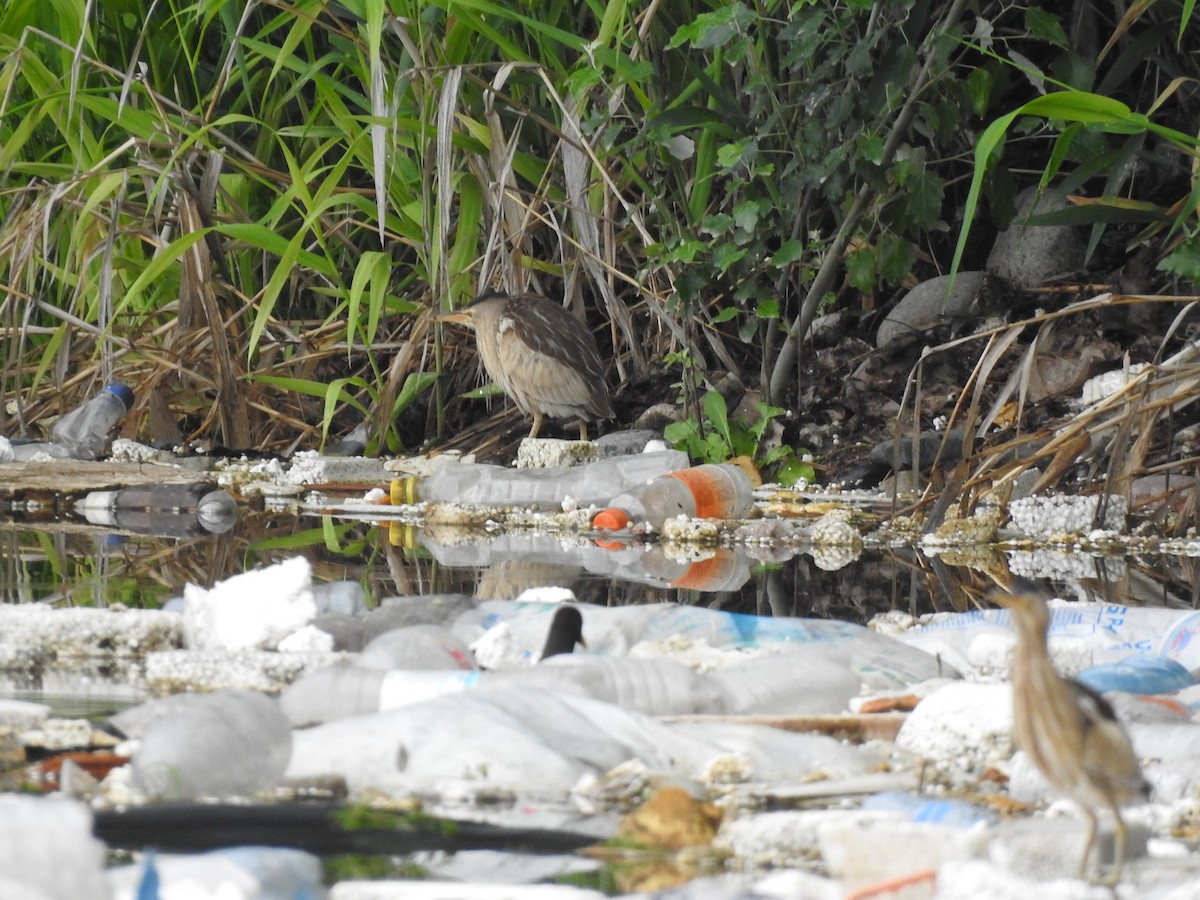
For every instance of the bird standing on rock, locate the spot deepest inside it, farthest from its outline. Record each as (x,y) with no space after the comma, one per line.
(1068,730)
(543,357)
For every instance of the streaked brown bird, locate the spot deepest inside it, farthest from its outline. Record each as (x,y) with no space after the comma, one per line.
(1069,730)
(543,357)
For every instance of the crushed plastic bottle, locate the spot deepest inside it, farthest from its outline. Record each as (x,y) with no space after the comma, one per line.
(83,431)
(417,647)
(223,744)
(658,687)
(712,491)
(586,485)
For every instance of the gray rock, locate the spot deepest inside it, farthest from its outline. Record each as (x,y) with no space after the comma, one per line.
(623,443)
(929,304)
(1028,255)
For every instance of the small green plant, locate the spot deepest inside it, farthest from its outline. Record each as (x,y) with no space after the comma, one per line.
(719,438)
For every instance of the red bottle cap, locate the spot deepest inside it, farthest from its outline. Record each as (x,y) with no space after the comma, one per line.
(611,519)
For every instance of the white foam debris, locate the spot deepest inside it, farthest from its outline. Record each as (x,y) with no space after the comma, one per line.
(22,713)
(125,450)
(309,639)
(546,594)
(255,609)
(834,529)
(457,890)
(1057,514)
(1058,565)
(780,839)
(59,734)
(542,453)
(210,670)
(47,849)
(41,633)
(877,849)
(965,728)
(311,467)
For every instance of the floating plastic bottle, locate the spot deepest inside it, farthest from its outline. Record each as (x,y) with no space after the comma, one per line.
(712,491)
(195,495)
(223,744)
(479,483)
(83,431)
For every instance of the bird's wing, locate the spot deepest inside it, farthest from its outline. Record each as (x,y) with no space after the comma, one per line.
(1108,754)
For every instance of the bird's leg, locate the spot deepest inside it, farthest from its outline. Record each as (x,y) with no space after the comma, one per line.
(1091,842)
(537,425)
(582,430)
(1119,836)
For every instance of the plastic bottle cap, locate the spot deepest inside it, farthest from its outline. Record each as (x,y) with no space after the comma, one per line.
(611,519)
(403,491)
(123,391)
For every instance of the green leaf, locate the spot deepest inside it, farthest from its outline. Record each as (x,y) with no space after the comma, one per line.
(714,29)
(746,213)
(713,405)
(726,255)
(979,85)
(792,470)
(415,385)
(1184,260)
(923,199)
(1044,26)
(731,155)
(860,269)
(789,252)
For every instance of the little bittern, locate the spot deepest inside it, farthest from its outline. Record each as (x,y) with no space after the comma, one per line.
(543,357)
(1068,729)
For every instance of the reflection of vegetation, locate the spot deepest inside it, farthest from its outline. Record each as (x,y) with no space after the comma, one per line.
(75,570)
(600,879)
(361,867)
(361,816)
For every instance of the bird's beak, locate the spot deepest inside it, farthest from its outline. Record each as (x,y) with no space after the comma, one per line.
(457,316)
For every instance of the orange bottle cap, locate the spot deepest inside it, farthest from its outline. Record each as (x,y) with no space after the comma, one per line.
(611,519)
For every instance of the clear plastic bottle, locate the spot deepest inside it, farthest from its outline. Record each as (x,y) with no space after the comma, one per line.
(83,431)
(480,483)
(712,491)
